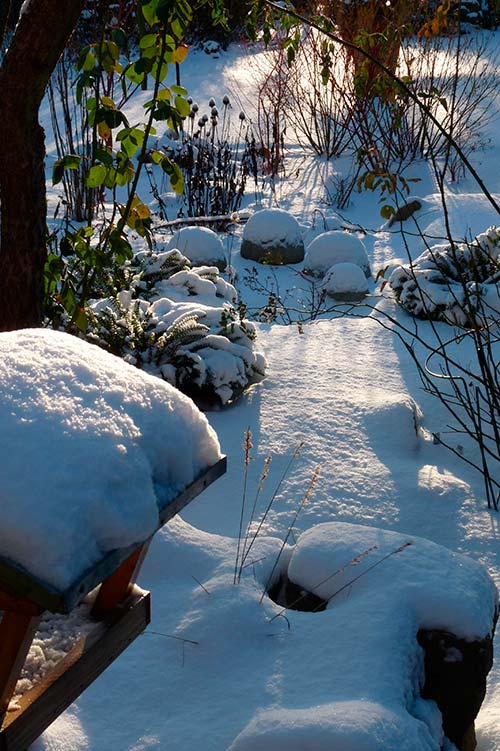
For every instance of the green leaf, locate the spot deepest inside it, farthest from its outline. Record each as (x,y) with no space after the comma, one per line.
(69,161)
(120,38)
(149,12)
(148,40)
(97,176)
(88,62)
(175,174)
(183,106)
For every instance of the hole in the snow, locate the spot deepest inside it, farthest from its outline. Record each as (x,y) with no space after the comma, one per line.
(287,594)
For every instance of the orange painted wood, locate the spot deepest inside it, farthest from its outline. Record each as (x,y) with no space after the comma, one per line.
(89,657)
(16,634)
(116,587)
(10,602)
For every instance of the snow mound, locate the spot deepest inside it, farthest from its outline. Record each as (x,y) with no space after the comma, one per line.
(272,236)
(334,247)
(345,281)
(91,447)
(272,227)
(445,590)
(202,246)
(362,657)
(347,726)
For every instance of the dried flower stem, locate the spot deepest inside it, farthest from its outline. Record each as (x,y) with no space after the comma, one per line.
(269,505)
(299,509)
(247,445)
(370,568)
(265,472)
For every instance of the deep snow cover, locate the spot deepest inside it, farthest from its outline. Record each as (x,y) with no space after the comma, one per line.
(212,667)
(94,447)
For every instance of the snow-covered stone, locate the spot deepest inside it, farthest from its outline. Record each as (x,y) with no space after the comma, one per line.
(272,236)
(334,247)
(201,245)
(91,447)
(346,281)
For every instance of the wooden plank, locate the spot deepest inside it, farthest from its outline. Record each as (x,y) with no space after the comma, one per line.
(9,602)
(19,582)
(16,634)
(115,588)
(192,491)
(39,707)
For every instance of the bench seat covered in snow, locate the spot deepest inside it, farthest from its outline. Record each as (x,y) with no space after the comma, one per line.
(122,612)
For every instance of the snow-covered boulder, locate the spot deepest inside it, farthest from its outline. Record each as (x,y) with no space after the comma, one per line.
(272,236)
(202,246)
(334,247)
(345,282)
(91,447)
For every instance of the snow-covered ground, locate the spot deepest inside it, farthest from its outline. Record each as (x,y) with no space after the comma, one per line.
(213,666)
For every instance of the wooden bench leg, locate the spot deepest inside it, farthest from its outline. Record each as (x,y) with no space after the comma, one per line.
(16,634)
(116,587)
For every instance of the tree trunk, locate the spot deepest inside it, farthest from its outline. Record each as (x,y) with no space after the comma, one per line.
(39,39)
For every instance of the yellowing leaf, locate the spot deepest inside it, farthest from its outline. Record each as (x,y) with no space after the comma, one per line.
(108,102)
(143,212)
(164,94)
(104,131)
(180,53)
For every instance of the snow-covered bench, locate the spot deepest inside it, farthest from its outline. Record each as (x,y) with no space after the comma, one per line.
(95,457)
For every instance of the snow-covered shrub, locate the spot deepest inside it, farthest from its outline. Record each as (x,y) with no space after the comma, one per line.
(182,323)
(334,247)
(272,236)
(201,245)
(345,281)
(452,283)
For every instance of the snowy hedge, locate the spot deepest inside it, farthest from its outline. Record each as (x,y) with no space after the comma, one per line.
(452,282)
(182,323)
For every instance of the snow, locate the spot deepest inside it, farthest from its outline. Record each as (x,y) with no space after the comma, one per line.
(345,279)
(95,446)
(201,245)
(213,672)
(271,228)
(443,590)
(55,636)
(333,247)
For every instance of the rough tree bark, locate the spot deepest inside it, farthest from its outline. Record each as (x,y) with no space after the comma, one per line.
(40,36)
